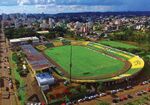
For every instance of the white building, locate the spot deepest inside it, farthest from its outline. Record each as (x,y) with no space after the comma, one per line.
(51,22)
(44,25)
(20,41)
(45,80)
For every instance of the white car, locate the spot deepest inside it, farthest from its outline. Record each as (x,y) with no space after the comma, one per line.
(102,94)
(79,100)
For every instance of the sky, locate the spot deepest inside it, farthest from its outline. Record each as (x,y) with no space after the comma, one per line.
(63,6)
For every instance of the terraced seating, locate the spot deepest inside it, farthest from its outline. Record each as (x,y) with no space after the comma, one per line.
(41,47)
(48,45)
(137,62)
(66,42)
(110,50)
(57,44)
(84,43)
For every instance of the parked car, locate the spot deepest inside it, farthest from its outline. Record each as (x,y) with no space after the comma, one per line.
(80,100)
(119,90)
(138,93)
(128,87)
(144,92)
(144,83)
(74,102)
(115,100)
(85,98)
(122,98)
(148,81)
(102,94)
(130,96)
(148,89)
(113,92)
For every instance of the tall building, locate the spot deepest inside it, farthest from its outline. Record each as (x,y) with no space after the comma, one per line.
(44,25)
(51,22)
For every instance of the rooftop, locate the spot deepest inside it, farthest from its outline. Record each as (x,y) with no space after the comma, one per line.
(42,32)
(45,78)
(36,60)
(23,39)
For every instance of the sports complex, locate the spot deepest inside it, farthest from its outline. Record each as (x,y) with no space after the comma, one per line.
(91,62)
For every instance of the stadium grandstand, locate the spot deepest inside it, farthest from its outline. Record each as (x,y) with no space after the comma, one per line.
(36,61)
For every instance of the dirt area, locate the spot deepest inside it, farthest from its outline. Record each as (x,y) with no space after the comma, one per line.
(32,87)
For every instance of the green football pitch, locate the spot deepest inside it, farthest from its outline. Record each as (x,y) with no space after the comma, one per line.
(85,61)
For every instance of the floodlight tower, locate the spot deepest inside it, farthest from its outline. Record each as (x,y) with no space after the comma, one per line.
(70,63)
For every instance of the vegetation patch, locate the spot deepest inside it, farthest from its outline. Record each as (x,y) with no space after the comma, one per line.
(17,77)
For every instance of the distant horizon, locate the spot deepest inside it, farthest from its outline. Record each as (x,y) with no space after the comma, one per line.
(79,12)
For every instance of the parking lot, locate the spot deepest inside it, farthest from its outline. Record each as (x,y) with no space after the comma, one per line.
(118,96)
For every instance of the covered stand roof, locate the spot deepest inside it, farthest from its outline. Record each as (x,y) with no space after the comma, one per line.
(35,59)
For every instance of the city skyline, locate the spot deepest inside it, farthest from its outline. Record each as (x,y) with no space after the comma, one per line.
(63,6)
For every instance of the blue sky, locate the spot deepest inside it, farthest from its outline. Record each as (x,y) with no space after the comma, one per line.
(59,6)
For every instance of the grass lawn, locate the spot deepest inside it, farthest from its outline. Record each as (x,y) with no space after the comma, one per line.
(86,62)
(17,77)
(117,44)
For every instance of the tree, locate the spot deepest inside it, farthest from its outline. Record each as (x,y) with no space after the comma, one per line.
(19,32)
(74,91)
(83,89)
(100,86)
(67,98)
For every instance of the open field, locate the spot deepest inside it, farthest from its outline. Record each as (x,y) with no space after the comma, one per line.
(85,61)
(117,44)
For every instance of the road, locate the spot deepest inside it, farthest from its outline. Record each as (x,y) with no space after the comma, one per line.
(5,71)
(32,86)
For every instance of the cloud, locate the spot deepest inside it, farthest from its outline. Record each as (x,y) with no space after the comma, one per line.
(70,2)
(72,8)
(35,2)
(89,2)
(8,2)
(24,2)
(56,6)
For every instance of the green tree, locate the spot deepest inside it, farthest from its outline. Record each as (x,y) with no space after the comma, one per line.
(74,91)
(83,89)
(19,32)
(100,86)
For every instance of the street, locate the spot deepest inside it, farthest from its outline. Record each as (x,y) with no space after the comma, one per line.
(5,73)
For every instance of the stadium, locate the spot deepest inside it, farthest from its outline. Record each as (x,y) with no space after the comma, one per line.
(91,62)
